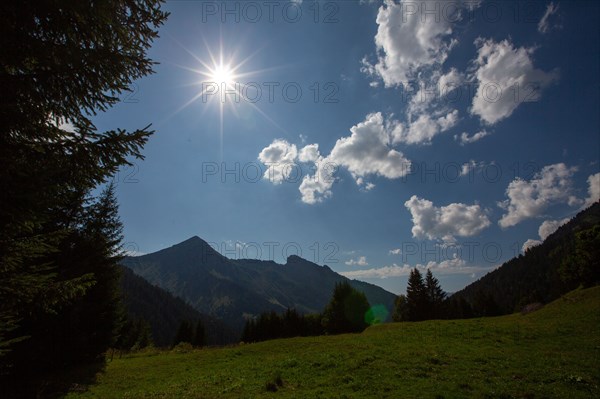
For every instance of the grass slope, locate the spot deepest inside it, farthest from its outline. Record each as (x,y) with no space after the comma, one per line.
(551,353)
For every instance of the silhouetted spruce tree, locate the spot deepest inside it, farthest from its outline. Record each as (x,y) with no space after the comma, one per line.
(416,297)
(185,333)
(61,63)
(82,329)
(346,310)
(435,296)
(400,309)
(199,335)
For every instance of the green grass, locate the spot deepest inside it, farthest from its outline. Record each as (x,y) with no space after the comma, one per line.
(551,353)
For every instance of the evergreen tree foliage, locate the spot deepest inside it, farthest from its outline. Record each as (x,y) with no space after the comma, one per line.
(290,324)
(133,335)
(435,296)
(400,309)
(199,335)
(185,333)
(416,297)
(61,63)
(582,266)
(346,310)
(564,261)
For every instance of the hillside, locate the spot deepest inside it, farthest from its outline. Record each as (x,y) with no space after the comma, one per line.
(536,275)
(551,353)
(164,312)
(234,289)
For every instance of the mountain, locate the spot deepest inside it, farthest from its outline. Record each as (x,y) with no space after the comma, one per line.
(540,274)
(164,312)
(232,290)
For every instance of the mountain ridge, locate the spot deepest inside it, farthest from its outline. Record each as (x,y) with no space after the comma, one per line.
(234,289)
(536,275)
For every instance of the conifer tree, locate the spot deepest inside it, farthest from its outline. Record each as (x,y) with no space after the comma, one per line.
(199,335)
(416,296)
(185,333)
(346,310)
(400,309)
(435,296)
(61,63)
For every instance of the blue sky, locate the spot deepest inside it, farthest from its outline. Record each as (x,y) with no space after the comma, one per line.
(343,159)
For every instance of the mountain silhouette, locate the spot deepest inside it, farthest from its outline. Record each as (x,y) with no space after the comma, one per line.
(233,290)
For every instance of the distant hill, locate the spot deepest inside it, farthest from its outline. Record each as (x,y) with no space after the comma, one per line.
(164,312)
(536,275)
(232,290)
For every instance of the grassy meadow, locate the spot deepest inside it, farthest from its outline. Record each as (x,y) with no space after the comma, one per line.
(551,353)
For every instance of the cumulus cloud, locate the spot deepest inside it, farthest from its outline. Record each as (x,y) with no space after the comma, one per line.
(309,153)
(360,261)
(593,190)
(406,41)
(550,226)
(546,228)
(445,222)
(529,244)
(550,20)
(464,137)
(529,199)
(367,151)
(424,128)
(455,265)
(506,78)
(450,81)
(279,157)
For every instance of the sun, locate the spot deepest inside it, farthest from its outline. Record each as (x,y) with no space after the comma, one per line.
(222,74)
(222,82)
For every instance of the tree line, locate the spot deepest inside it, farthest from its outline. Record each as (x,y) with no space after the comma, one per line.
(345,313)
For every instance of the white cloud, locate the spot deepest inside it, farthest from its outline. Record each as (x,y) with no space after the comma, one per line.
(279,157)
(317,187)
(550,226)
(506,78)
(450,81)
(546,228)
(470,167)
(309,153)
(424,128)
(464,138)
(455,265)
(546,24)
(366,151)
(407,40)
(396,251)
(529,244)
(445,222)
(593,190)
(360,261)
(528,199)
